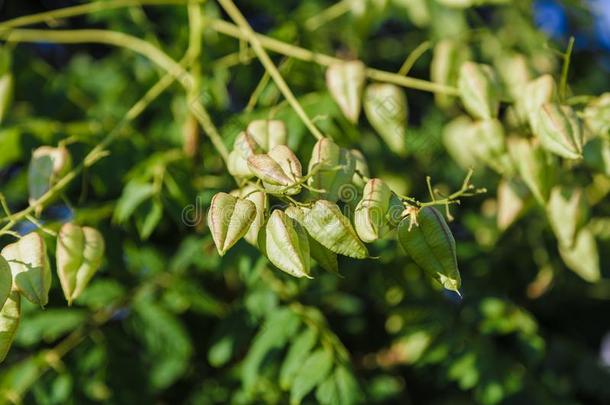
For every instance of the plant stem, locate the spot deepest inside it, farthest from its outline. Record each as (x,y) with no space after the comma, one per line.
(262,55)
(564,70)
(327,15)
(413,57)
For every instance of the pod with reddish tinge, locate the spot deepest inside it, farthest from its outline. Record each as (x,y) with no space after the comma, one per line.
(243,147)
(48,165)
(385,106)
(558,129)
(332,166)
(229,219)
(478,89)
(430,244)
(280,170)
(260,200)
(30,268)
(9,322)
(79,254)
(345,82)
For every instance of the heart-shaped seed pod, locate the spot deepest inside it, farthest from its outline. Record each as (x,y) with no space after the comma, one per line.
(261,202)
(229,219)
(6,280)
(361,170)
(345,82)
(430,244)
(488,144)
(535,93)
(515,73)
(324,257)
(458,138)
(48,165)
(511,202)
(558,129)
(6,93)
(583,257)
(327,225)
(244,146)
(533,165)
(567,213)
(280,170)
(334,167)
(268,133)
(9,322)
(79,254)
(597,116)
(478,88)
(370,219)
(30,268)
(385,106)
(286,245)
(447,57)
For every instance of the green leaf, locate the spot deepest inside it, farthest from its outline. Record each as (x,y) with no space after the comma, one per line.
(313,371)
(134,194)
(152,219)
(9,321)
(6,281)
(297,354)
(49,325)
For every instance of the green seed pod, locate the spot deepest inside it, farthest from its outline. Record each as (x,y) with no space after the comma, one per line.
(286,245)
(324,257)
(326,224)
(6,93)
(559,130)
(478,90)
(334,167)
(9,322)
(229,219)
(30,268)
(511,202)
(597,115)
(243,147)
(430,244)
(458,138)
(361,170)
(370,219)
(345,82)
(582,258)
(386,109)
(268,133)
(535,93)
(48,165)
(534,166)
(447,57)
(567,213)
(280,170)
(488,144)
(79,254)
(515,73)
(6,280)
(261,202)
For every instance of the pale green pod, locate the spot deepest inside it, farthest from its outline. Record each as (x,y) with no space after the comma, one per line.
(515,73)
(6,93)
(385,106)
(48,165)
(286,245)
(567,213)
(229,219)
(512,197)
(261,202)
(10,313)
(79,254)
(533,165)
(361,170)
(345,82)
(268,133)
(597,115)
(280,170)
(558,129)
(478,89)
(323,256)
(535,93)
(583,258)
(333,166)
(326,224)
(447,57)
(6,280)
(430,244)
(30,268)
(488,145)
(370,219)
(244,146)
(458,138)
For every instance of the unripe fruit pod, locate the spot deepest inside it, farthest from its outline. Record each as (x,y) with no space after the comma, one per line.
(286,245)
(326,224)
(79,254)
(48,165)
(6,93)
(597,116)
(478,88)
(515,73)
(229,219)
(334,167)
(361,169)
(260,200)
(583,257)
(458,138)
(268,133)
(30,268)
(534,166)
(567,212)
(447,57)
(511,202)
(6,280)
(244,146)
(9,322)
(535,93)
(370,219)
(559,130)
(430,244)
(386,109)
(345,82)
(323,256)
(280,170)
(488,144)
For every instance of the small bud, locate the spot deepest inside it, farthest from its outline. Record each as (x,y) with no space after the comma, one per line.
(229,219)
(334,167)
(268,133)
(386,109)
(280,170)
(30,268)
(10,313)
(478,90)
(345,81)
(559,130)
(6,280)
